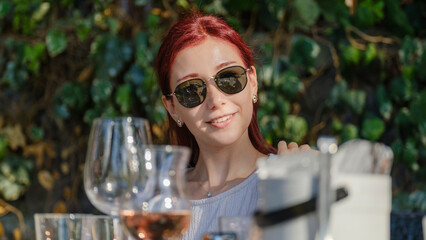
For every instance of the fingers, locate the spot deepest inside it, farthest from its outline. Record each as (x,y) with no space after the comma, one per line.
(282,147)
(305,147)
(292,147)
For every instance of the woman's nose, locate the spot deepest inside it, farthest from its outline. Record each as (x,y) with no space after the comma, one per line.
(214,97)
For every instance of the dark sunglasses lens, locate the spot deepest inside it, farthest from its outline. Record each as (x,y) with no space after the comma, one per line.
(231,80)
(191,93)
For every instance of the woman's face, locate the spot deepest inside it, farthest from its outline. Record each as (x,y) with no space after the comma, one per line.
(222,119)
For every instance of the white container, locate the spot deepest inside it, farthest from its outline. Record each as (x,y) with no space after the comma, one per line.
(365,213)
(285,182)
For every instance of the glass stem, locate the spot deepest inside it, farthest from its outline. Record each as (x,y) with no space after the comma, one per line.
(118,229)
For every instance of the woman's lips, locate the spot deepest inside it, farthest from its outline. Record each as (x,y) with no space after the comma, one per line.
(221,122)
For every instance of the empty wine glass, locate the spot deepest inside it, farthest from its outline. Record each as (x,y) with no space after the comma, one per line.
(57,226)
(112,160)
(161,210)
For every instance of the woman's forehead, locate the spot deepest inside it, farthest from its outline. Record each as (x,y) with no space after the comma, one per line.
(210,54)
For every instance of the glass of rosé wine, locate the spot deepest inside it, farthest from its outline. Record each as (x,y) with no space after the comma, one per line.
(162,210)
(114,160)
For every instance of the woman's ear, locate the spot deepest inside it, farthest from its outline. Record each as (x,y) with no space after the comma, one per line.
(168,104)
(252,78)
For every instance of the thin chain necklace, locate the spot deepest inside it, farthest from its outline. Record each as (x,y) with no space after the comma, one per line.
(209,194)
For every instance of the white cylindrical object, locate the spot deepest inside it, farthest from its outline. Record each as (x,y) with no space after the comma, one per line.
(365,213)
(286,192)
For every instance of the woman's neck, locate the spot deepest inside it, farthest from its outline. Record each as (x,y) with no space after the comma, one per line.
(218,165)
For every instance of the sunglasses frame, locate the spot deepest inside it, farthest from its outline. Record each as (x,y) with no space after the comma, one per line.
(245,70)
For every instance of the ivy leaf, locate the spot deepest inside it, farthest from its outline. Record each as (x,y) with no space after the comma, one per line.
(270,127)
(183,3)
(356,100)
(135,76)
(10,190)
(336,125)
(152,21)
(403,119)
(410,49)
(101,90)
(160,114)
(61,111)
(295,128)
(370,53)
(144,54)
(83,28)
(372,128)
(240,5)
(349,131)
(308,12)
(36,133)
(123,98)
(41,11)
(110,53)
(408,72)
(396,19)
(73,95)
(15,75)
(410,154)
(281,107)
(33,56)
(351,54)
(113,25)
(420,69)
(385,104)
(401,89)
(397,149)
(22,176)
(56,42)
(5,7)
(91,114)
(304,52)
(276,8)
(337,92)
(140,2)
(418,109)
(335,11)
(369,12)
(3,146)
(290,84)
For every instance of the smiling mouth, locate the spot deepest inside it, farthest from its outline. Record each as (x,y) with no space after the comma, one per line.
(221,119)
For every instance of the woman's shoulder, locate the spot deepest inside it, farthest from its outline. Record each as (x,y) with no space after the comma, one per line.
(244,189)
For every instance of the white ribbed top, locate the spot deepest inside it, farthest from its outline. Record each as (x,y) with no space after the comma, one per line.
(240,200)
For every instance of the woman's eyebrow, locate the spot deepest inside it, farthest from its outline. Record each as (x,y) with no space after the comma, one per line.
(218,67)
(191,75)
(225,64)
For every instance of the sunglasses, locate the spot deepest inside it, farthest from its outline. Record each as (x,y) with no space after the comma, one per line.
(230,80)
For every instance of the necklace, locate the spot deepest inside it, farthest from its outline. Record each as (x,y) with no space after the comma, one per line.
(209,194)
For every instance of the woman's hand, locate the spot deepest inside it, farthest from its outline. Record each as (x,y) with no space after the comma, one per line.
(292,147)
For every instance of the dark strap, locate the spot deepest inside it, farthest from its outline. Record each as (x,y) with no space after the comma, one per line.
(282,215)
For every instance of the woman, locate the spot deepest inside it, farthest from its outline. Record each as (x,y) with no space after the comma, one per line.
(209,87)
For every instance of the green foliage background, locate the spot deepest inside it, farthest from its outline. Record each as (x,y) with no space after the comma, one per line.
(325,68)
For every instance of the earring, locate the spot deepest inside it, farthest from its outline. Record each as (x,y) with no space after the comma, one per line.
(179,123)
(255,98)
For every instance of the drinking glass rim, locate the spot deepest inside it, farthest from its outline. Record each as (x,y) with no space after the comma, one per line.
(70,216)
(129,119)
(167,147)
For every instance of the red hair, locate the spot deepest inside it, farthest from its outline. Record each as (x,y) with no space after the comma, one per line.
(190,31)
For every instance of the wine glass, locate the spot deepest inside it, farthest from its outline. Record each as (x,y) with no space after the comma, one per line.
(112,160)
(61,226)
(162,210)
